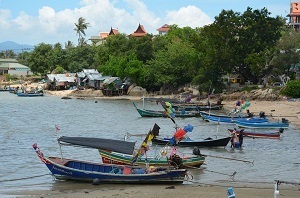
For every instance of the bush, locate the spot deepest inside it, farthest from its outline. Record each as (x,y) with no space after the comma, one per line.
(292,89)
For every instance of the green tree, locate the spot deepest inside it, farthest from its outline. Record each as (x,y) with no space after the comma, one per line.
(40,60)
(7,54)
(173,67)
(235,37)
(81,26)
(287,55)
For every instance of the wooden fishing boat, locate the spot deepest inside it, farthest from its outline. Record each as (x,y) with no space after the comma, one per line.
(195,107)
(256,134)
(72,169)
(239,115)
(30,94)
(208,142)
(227,120)
(123,159)
(263,125)
(154,113)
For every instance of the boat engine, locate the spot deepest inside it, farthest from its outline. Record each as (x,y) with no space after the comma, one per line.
(281,130)
(176,161)
(196,151)
(284,120)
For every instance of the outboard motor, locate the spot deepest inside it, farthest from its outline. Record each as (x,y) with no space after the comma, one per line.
(176,161)
(281,130)
(284,120)
(196,151)
(262,114)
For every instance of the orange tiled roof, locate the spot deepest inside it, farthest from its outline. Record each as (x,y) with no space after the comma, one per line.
(113,31)
(164,28)
(103,35)
(140,31)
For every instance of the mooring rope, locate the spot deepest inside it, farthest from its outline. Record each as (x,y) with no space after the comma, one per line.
(8,180)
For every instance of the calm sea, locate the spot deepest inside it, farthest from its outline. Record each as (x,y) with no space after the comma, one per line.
(25,121)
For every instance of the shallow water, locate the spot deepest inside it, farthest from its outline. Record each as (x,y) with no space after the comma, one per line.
(25,121)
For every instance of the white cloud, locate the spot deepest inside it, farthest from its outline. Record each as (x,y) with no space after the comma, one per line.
(4,15)
(51,26)
(188,16)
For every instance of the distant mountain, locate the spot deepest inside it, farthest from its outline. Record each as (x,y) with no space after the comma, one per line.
(17,48)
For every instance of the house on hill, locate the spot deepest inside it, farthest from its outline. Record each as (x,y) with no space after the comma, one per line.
(163,29)
(12,67)
(98,40)
(139,32)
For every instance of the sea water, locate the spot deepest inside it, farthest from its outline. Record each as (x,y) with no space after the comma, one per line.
(25,121)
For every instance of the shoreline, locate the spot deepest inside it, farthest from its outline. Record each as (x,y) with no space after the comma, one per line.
(243,190)
(277,109)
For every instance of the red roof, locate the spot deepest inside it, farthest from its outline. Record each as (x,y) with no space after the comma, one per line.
(164,28)
(140,31)
(113,31)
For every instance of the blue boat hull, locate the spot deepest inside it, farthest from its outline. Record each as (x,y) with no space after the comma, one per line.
(30,94)
(229,120)
(268,125)
(109,173)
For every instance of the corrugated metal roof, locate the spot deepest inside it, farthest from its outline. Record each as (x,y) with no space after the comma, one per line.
(64,79)
(95,77)
(52,76)
(90,71)
(14,66)
(81,74)
(110,80)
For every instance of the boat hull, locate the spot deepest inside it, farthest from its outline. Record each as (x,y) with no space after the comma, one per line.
(268,125)
(30,94)
(67,169)
(222,142)
(253,134)
(228,120)
(123,159)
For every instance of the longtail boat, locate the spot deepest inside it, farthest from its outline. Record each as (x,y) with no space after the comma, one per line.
(263,125)
(256,134)
(161,160)
(154,113)
(208,142)
(72,169)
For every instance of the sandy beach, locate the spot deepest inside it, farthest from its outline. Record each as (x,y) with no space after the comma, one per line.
(165,191)
(278,109)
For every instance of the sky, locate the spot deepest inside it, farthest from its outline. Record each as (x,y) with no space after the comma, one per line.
(53,21)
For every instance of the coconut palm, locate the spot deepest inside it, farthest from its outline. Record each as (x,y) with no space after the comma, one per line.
(80,27)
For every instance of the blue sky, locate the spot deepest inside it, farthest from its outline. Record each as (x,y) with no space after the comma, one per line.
(52,21)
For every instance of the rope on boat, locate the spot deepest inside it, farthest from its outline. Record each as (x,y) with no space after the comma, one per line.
(8,180)
(231,176)
(246,161)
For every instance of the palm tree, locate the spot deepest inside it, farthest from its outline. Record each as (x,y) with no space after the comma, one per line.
(80,27)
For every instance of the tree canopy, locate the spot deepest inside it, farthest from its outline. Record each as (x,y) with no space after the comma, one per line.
(252,44)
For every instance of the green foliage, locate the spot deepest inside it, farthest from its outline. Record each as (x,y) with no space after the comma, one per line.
(7,54)
(59,70)
(81,26)
(242,43)
(292,89)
